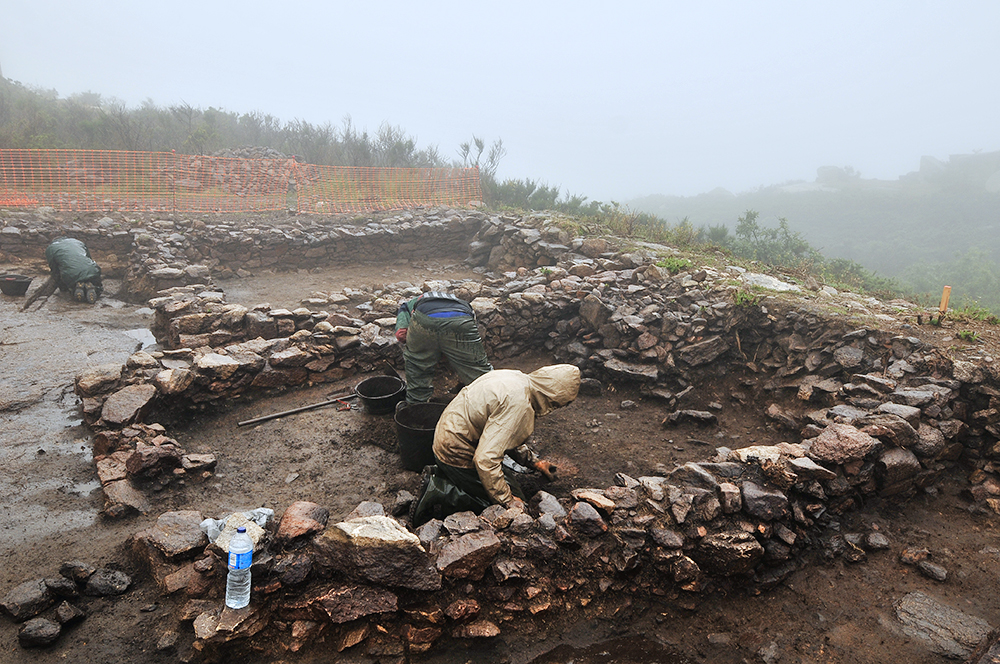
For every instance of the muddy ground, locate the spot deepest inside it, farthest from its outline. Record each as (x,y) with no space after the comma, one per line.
(49,502)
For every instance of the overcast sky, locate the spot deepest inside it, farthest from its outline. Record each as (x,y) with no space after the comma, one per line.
(610,100)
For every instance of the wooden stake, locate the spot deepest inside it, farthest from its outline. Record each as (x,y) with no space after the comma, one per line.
(945,294)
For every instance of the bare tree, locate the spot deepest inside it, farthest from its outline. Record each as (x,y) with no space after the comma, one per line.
(472,156)
(130,131)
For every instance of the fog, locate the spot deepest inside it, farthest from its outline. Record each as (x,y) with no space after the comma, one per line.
(605,100)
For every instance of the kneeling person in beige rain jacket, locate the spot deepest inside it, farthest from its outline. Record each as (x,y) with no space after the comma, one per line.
(492,416)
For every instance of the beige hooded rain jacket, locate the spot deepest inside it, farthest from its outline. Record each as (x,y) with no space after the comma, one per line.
(496,413)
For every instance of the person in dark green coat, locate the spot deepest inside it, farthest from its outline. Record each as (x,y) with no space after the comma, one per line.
(435,324)
(72,270)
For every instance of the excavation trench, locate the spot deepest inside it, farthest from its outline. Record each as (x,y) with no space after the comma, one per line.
(674,562)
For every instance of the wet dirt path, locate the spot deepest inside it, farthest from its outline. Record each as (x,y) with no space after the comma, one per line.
(48,484)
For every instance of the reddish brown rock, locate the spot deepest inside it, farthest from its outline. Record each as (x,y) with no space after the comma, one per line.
(840,443)
(303,632)
(302,518)
(414,635)
(341,604)
(196,607)
(378,549)
(187,579)
(112,468)
(462,609)
(121,499)
(152,460)
(481,629)
(584,518)
(351,636)
(176,534)
(728,553)
(198,462)
(290,357)
(173,381)
(98,379)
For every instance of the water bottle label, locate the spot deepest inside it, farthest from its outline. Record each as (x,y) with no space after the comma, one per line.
(240,560)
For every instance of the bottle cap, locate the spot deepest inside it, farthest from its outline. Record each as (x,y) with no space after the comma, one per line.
(241,529)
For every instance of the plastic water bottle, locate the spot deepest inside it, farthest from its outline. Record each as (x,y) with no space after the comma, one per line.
(238,581)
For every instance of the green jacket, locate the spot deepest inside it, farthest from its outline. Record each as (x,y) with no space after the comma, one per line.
(70,262)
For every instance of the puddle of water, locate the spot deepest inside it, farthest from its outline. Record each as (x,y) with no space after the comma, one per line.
(78,446)
(141,335)
(627,650)
(84,488)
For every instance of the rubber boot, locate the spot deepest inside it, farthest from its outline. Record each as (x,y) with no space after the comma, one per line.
(441,497)
(415,509)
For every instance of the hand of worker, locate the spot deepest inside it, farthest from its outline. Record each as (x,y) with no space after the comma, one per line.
(547,468)
(401,335)
(517,504)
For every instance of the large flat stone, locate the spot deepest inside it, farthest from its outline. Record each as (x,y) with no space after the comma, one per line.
(840,443)
(128,404)
(176,534)
(946,630)
(469,556)
(377,549)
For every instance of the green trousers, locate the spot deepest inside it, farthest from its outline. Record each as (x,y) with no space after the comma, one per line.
(427,339)
(450,489)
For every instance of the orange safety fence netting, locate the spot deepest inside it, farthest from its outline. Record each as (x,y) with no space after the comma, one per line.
(103,180)
(326,189)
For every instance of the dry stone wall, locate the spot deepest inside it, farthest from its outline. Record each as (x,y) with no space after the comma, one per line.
(26,235)
(170,253)
(153,253)
(883,416)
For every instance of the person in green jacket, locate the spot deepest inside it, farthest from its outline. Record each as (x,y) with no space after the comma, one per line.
(435,324)
(72,270)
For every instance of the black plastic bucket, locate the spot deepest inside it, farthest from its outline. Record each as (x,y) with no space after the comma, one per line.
(14,284)
(380,394)
(415,424)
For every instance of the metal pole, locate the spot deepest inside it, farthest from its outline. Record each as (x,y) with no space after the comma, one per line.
(338,399)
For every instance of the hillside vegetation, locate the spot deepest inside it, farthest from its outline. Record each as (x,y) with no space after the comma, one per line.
(933,227)
(936,226)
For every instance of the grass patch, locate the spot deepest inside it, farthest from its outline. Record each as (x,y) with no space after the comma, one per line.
(673,265)
(745,297)
(974,312)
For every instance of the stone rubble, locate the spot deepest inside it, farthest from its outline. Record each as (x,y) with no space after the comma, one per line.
(882,416)
(77,581)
